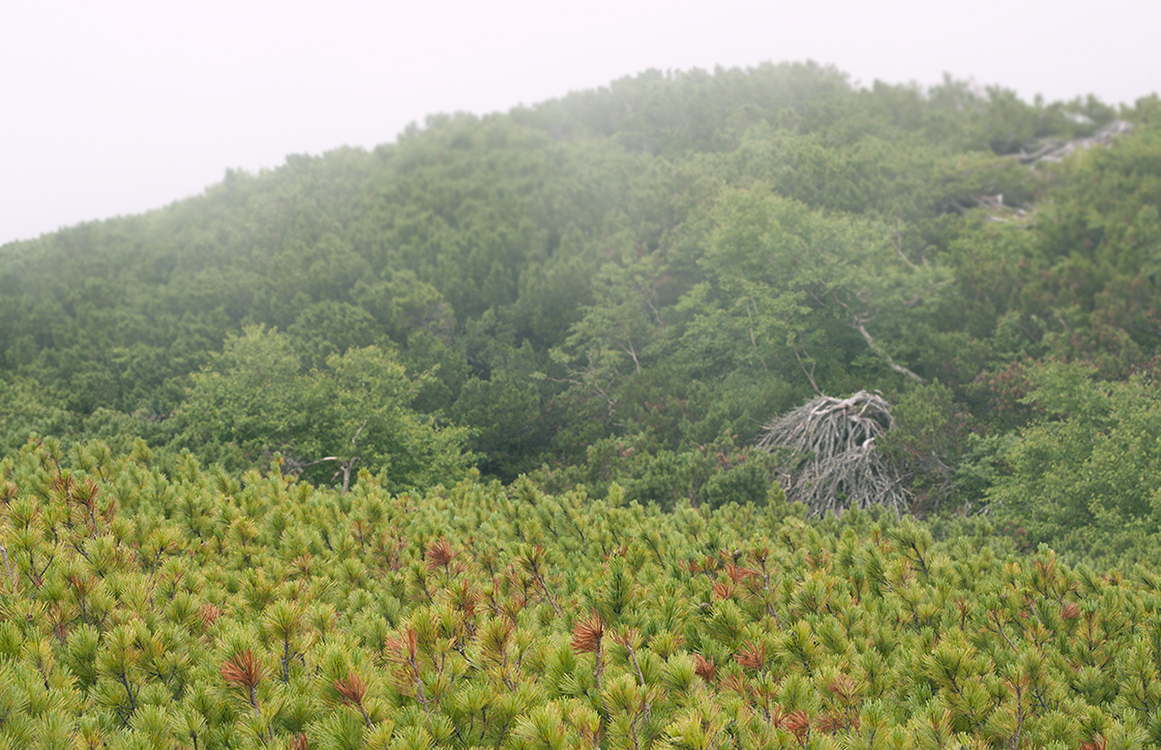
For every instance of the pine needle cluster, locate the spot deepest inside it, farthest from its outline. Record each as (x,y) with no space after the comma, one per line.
(280,615)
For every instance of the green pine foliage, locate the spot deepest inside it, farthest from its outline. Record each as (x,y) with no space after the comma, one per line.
(282,615)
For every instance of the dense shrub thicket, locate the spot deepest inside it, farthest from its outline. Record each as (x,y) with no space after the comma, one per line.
(192,609)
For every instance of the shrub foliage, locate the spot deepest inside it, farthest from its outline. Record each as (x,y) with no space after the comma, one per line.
(196,609)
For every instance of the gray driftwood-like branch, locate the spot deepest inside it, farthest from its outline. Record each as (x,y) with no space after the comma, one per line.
(1054,149)
(833,461)
(859,323)
(1032,153)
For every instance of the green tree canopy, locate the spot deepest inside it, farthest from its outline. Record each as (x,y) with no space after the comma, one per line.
(1084,476)
(255,400)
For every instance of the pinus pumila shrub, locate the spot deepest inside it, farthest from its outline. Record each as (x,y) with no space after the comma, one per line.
(192,609)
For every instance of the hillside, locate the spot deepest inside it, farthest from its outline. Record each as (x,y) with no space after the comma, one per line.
(749,409)
(622,285)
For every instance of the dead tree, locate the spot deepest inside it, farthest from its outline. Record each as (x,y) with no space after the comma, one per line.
(1054,149)
(830,458)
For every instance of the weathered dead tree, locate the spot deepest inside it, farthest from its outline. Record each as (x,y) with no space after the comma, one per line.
(831,461)
(1031,153)
(1054,149)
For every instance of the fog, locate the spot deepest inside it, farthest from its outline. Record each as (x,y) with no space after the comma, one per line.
(125,105)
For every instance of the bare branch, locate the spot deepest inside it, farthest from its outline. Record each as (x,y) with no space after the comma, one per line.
(836,463)
(753,339)
(859,324)
(1054,149)
(809,375)
(902,255)
(357,433)
(631,350)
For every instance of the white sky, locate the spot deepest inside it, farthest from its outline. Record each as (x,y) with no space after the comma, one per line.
(118,106)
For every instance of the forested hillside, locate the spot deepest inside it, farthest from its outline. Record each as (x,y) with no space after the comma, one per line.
(750,409)
(624,286)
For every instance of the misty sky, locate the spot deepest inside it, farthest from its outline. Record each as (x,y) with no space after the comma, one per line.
(119,106)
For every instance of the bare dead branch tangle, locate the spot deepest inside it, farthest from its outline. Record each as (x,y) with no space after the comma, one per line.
(832,460)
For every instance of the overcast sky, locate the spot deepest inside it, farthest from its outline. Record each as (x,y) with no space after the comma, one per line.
(118,106)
